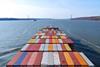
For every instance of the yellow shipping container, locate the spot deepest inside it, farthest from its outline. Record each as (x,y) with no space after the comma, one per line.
(31,41)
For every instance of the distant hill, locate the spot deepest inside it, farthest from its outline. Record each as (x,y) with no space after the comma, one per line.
(87,18)
(34,19)
(17,19)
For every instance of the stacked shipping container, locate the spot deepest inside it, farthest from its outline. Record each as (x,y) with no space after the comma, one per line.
(49,47)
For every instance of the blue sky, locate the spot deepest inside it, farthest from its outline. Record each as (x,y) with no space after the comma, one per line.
(49,8)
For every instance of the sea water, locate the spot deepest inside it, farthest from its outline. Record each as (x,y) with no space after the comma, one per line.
(14,34)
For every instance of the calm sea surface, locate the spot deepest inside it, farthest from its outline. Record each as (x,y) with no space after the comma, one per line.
(85,33)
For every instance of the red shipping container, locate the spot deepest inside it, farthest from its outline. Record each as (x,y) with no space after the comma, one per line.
(42,41)
(33,47)
(38,59)
(62,59)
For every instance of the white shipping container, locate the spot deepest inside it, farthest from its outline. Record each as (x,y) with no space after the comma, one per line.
(46,47)
(56,58)
(37,40)
(42,47)
(47,40)
(37,37)
(44,58)
(54,47)
(25,47)
(50,58)
(60,40)
(59,48)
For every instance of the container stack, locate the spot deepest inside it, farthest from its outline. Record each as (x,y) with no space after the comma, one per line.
(49,47)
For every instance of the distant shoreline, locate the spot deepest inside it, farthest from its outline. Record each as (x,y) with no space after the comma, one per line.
(97,18)
(34,19)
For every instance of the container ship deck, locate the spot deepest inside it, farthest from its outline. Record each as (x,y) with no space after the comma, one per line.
(50,47)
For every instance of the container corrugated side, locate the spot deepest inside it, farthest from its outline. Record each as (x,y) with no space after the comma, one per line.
(26,59)
(72,59)
(31,48)
(46,47)
(48,59)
